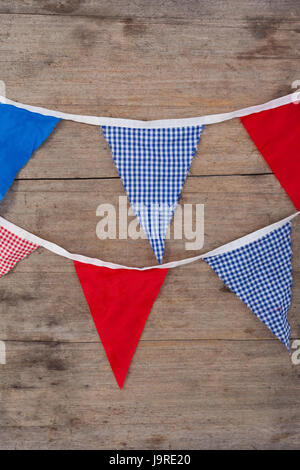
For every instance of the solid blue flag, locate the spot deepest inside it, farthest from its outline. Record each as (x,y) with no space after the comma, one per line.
(21,133)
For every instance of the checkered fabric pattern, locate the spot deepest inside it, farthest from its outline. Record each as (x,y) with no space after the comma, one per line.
(12,250)
(153,165)
(260,274)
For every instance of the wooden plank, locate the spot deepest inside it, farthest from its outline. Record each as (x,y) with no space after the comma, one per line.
(43,295)
(175,67)
(201,394)
(256,10)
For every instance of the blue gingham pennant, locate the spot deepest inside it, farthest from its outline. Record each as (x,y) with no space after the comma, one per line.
(153,165)
(260,274)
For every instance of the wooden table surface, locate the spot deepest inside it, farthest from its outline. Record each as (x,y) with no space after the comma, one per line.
(206,374)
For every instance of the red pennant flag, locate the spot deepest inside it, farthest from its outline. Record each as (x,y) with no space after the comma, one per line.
(276,133)
(120,301)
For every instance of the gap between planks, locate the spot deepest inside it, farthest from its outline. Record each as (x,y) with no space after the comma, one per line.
(117,177)
(166,340)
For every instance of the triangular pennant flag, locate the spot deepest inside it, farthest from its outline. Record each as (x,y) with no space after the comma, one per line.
(120,301)
(260,274)
(21,133)
(153,165)
(12,249)
(276,133)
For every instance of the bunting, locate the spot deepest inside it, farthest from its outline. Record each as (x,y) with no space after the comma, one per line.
(21,133)
(153,165)
(260,274)
(120,301)
(256,267)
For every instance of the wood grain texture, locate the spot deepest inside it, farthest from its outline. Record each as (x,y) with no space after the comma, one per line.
(207,373)
(148,68)
(216,11)
(179,394)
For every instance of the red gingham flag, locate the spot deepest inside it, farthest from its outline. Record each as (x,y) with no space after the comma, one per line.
(12,250)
